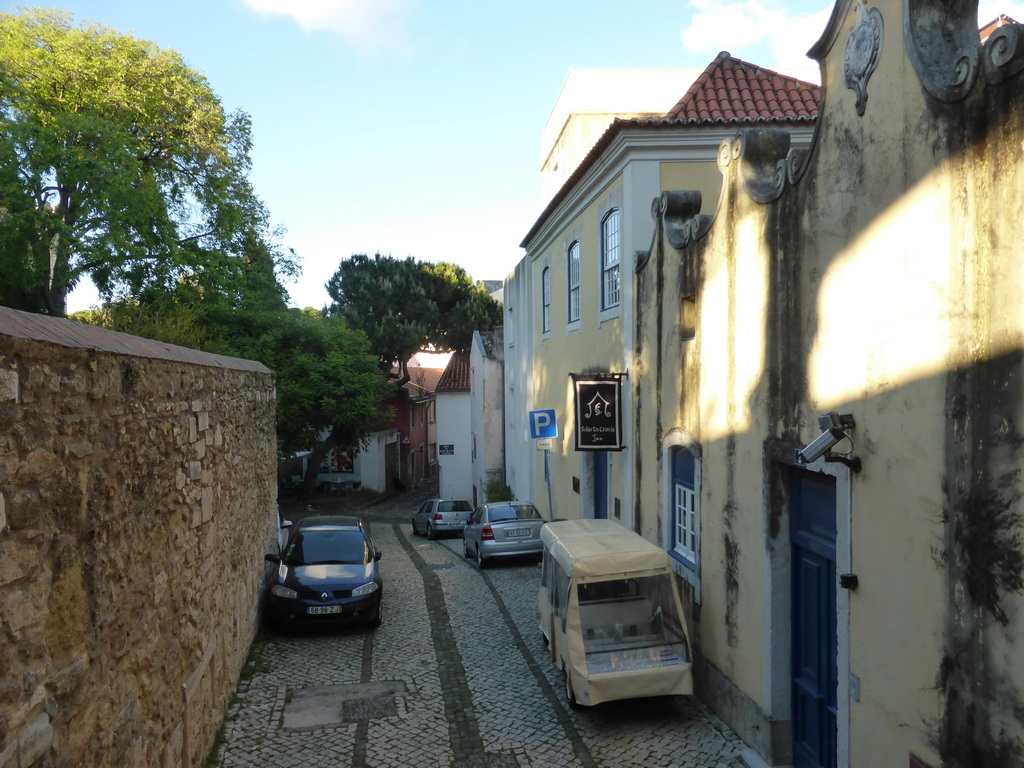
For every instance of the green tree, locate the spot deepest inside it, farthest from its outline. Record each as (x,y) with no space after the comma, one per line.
(404,306)
(118,162)
(329,389)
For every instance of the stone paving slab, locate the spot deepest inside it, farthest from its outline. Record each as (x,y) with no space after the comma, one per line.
(457,676)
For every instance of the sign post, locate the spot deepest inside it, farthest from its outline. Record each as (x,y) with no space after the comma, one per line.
(598,411)
(543,429)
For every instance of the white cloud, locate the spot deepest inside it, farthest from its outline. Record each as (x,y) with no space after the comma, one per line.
(365,24)
(756,29)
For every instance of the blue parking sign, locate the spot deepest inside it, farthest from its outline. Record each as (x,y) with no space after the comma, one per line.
(542,424)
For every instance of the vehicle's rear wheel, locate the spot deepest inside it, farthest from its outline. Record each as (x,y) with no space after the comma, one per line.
(430,532)
(481,563)
(570,696)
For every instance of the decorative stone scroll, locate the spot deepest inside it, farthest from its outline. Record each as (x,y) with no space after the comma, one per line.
(1003,54)
(943,45)
(681,216)
(764,165)
(863,50)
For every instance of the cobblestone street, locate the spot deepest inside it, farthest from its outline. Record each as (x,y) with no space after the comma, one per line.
(456,676)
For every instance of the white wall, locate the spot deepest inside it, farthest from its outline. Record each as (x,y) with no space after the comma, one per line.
(487,392)
(520,452)
(454,428)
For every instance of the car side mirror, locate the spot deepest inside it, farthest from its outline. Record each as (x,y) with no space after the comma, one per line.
(286,523)
(377,555)
(270,558)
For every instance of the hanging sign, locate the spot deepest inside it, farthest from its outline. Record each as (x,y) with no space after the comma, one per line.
(598,411)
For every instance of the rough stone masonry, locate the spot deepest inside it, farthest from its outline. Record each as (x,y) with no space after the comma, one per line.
(137,494)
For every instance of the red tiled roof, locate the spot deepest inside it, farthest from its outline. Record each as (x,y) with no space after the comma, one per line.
(456,376)
(731,90)
(424,378)
(1000,21)
(728,92)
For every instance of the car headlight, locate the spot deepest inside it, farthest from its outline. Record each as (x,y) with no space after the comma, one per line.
(367,589)
(280,591)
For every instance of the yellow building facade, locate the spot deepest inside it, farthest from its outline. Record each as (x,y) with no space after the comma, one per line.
(570,302)
(827,405)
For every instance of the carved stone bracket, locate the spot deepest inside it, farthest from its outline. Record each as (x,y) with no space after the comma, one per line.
(943,45)
(681,216)
(1003,54)
(764,165)
(863,50)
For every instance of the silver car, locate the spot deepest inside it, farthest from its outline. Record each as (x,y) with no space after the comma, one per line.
(503,529)
(438,517)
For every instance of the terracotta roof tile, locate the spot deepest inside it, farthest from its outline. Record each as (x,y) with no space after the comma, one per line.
(731,90)
(716,98)
(456,377)
(420,376)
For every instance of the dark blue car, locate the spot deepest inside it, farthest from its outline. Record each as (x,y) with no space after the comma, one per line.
(327,573)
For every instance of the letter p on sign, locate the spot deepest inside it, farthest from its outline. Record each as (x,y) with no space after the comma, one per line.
(542,424)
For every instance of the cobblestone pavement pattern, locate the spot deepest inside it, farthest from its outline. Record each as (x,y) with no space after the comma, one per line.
(457,676)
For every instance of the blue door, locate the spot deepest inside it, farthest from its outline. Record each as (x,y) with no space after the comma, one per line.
(601,484)
(815,667)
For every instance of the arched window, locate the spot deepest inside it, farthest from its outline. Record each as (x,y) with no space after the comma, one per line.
(545,299)
(610,247)
(685,516)
(573,275)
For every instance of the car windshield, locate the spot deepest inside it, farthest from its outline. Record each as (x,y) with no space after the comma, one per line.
(318,546)
(514,512)
(454,506)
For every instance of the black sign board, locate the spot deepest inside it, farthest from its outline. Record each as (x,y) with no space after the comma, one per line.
(446,450)
(598,411)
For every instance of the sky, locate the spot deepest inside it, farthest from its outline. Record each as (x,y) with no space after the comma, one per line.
(412,127)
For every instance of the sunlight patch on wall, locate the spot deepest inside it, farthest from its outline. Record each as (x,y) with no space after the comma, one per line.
(884,305)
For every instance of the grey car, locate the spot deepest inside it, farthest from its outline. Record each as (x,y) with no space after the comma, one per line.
(503,529)
(439,517)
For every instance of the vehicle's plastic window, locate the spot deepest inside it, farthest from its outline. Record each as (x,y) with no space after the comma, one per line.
(631,624)
(561,590)
(314,547)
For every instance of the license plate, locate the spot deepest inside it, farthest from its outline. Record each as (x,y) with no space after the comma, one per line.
(320,609)
(517,533)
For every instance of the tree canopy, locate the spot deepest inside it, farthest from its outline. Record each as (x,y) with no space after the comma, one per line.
(117,161)
(328,382)
(404,306)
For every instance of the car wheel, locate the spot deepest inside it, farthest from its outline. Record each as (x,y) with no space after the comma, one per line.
(480,562)
(465,548)
(570,695)
(430,532)
(414,531)
(375,621)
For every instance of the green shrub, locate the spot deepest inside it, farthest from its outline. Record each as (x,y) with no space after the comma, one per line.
(497,490)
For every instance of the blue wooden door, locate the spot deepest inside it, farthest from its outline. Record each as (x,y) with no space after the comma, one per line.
(815,668)
(600,484)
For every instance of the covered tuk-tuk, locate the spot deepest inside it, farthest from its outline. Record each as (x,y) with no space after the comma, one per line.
(610,612)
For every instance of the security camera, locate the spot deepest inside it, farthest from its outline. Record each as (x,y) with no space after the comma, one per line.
(820,445)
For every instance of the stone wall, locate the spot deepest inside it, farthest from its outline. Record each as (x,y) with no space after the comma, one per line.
(137,494)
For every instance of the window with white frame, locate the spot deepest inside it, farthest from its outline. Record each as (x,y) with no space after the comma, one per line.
(610,247)
(573,274)
(545,299)
(685,516)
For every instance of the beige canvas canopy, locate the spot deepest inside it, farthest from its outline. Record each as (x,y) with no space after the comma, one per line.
(585,548)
